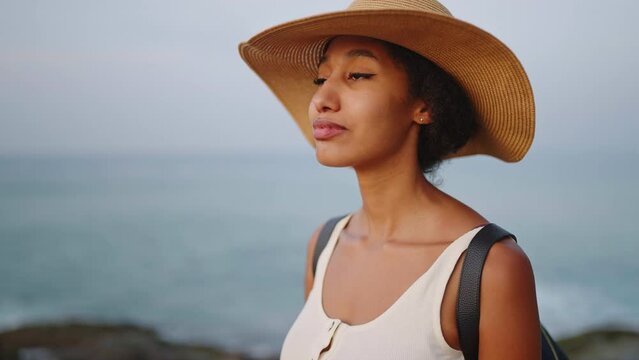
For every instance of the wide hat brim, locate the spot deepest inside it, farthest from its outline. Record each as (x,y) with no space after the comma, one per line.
(285,57)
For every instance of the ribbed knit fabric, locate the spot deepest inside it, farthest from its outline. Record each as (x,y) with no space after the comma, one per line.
(410,329)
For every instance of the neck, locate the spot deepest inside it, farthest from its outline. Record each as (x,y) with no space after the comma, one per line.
(395,195)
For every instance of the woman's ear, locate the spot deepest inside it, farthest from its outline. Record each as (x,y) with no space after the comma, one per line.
(422,114)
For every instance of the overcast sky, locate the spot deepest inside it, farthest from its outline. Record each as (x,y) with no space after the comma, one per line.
(165,76)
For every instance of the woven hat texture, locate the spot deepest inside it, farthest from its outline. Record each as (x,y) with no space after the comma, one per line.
(285,57)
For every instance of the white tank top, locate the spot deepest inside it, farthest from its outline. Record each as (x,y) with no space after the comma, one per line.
(410,329)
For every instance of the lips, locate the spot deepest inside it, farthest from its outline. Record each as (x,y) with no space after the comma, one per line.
(324,129)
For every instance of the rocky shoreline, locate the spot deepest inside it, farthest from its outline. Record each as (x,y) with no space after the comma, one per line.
(77,341)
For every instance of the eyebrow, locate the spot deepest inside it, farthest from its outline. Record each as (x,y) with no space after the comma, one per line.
(351,54)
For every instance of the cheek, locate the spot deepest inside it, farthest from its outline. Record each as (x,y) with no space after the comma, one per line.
(381,114)
(390,125)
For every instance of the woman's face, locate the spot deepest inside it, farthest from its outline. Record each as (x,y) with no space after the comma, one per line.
(360,88)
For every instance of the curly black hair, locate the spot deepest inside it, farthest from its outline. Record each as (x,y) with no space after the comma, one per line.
(452,114)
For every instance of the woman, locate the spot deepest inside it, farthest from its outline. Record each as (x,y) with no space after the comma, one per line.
(391,88)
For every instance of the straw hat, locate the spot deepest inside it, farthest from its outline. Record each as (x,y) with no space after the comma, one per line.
(285,57)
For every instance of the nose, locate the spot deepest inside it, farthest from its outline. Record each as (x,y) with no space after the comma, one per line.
(326,97)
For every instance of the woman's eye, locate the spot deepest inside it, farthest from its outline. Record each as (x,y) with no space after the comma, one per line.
(318,81)
(359,76)
(351,76)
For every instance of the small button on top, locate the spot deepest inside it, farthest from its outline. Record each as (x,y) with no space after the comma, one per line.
(333,323)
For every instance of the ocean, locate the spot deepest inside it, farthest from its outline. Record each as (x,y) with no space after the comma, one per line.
(211,248)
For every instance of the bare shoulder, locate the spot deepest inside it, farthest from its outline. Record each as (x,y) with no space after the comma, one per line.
(507,261)
(509,321)
(310,250)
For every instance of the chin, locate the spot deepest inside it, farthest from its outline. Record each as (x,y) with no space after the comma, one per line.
(329,155)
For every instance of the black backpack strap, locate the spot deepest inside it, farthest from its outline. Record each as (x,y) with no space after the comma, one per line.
(469,286)
(323,237)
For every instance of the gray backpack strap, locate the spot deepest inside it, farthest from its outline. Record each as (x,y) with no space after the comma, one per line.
(468,299)
(469,286)
(324,235)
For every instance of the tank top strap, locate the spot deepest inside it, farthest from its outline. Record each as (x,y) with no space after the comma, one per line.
(451,255)
(446,264)
(322,261)
(458,246)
